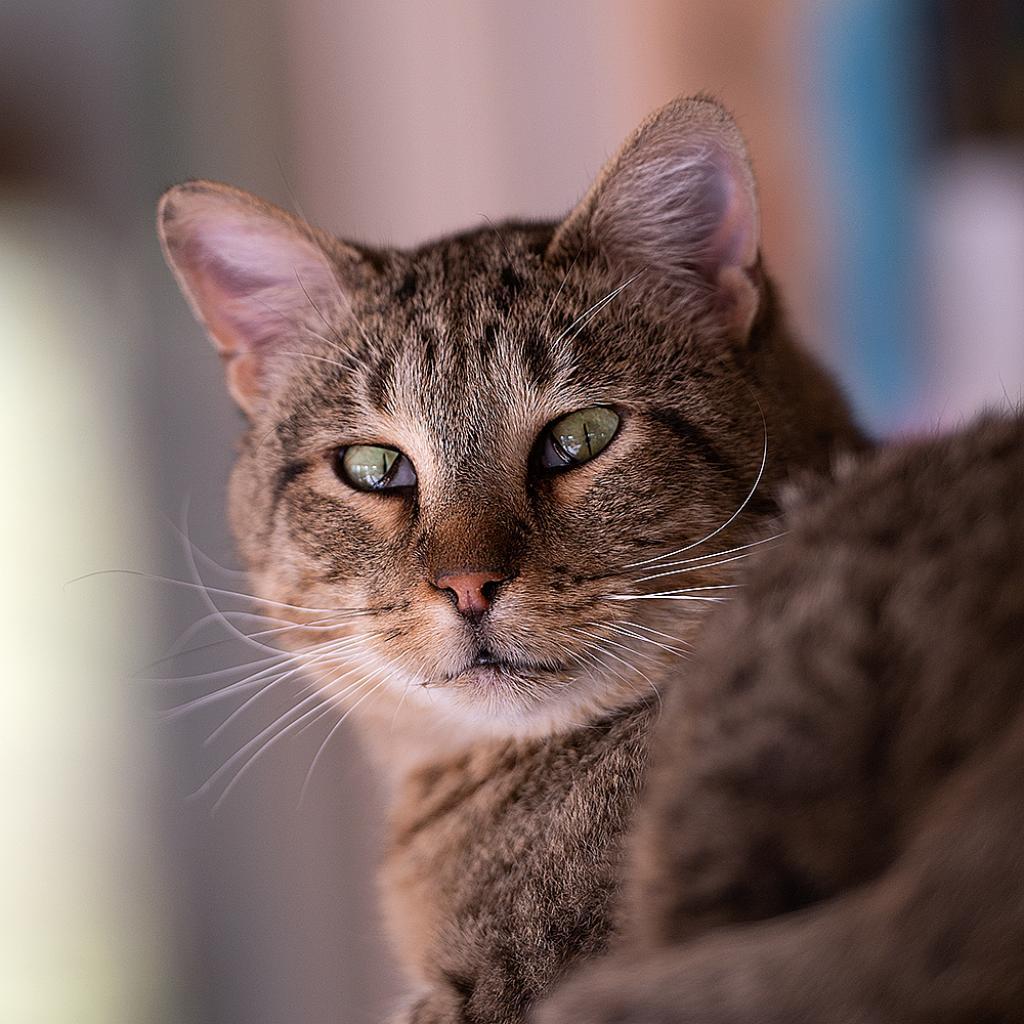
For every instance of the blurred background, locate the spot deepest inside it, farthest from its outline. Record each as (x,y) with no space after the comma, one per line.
(889,142)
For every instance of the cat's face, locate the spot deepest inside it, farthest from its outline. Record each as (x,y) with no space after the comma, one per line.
(468,464)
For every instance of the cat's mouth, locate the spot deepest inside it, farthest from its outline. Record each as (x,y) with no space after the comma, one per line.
(489,665)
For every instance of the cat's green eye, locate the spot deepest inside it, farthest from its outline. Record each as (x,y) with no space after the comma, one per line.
(372,467)
(578,437)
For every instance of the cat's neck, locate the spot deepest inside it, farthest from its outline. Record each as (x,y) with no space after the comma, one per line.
(402,741)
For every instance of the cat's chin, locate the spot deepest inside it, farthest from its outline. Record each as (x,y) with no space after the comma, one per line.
(504,701)
(506,692)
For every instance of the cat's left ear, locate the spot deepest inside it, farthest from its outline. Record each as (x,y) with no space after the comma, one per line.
(676,211)
(254,275)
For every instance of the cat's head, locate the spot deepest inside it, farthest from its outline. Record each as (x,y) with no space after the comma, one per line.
(468,465)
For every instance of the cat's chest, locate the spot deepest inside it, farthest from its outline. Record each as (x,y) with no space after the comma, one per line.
(522,840)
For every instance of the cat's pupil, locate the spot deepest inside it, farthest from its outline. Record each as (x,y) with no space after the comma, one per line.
(370,467)
(578,437)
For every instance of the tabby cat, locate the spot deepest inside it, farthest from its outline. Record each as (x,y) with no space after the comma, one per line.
(495,482)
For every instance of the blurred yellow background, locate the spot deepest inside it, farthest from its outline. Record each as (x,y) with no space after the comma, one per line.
(887,136)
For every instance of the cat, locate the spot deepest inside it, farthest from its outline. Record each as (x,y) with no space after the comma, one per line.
(495,482)
(834,821)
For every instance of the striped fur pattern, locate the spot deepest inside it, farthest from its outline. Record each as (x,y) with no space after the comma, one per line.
(515,778)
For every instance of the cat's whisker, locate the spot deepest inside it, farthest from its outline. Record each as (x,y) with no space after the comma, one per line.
(682,590)
(351,311)
(604,643)
(337,696)
(156,577)
(708,586)
(658,632)
(664,597)
(703,567)
(318,695)
(641,653)
(239,686)
(587,315)
(600,643)
(639,636)
(315,358)
(294,324)
(728,522)
(288,187)
(329,652)
(593,659)
(683,593)
(183,533)
(256,678)
(207,598)
(501,239)
(605,640)
(554,300)
(702,561)
(240,774)
(340,344)
(337,725)
(177,648)
(276,653)
(333,698)
(582,661)
(322,624)
(177,645)
(418,666)
(401,701)
(213,675)
(260,737)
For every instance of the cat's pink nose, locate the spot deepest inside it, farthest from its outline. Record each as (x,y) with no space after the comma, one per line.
(474,591)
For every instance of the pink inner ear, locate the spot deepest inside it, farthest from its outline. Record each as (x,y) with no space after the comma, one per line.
(687,206)
(692,209)
(251,278)
(734,242)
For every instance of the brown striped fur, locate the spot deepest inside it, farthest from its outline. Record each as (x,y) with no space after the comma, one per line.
(514,784)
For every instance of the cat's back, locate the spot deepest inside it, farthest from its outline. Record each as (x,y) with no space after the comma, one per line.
(930,502)
(888,616)
(932,533)
(872,653)
(905,576)
(921,550)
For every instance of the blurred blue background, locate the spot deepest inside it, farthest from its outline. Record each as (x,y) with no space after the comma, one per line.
(889,143)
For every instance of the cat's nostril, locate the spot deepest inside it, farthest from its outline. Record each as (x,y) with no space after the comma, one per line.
(474,592)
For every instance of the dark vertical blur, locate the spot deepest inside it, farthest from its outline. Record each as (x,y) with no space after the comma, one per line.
(977,67)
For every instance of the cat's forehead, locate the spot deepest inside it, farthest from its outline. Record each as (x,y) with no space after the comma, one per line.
(466,327)
(492,274)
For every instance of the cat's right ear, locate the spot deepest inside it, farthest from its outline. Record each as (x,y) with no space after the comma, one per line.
(253,275)
(675,213)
